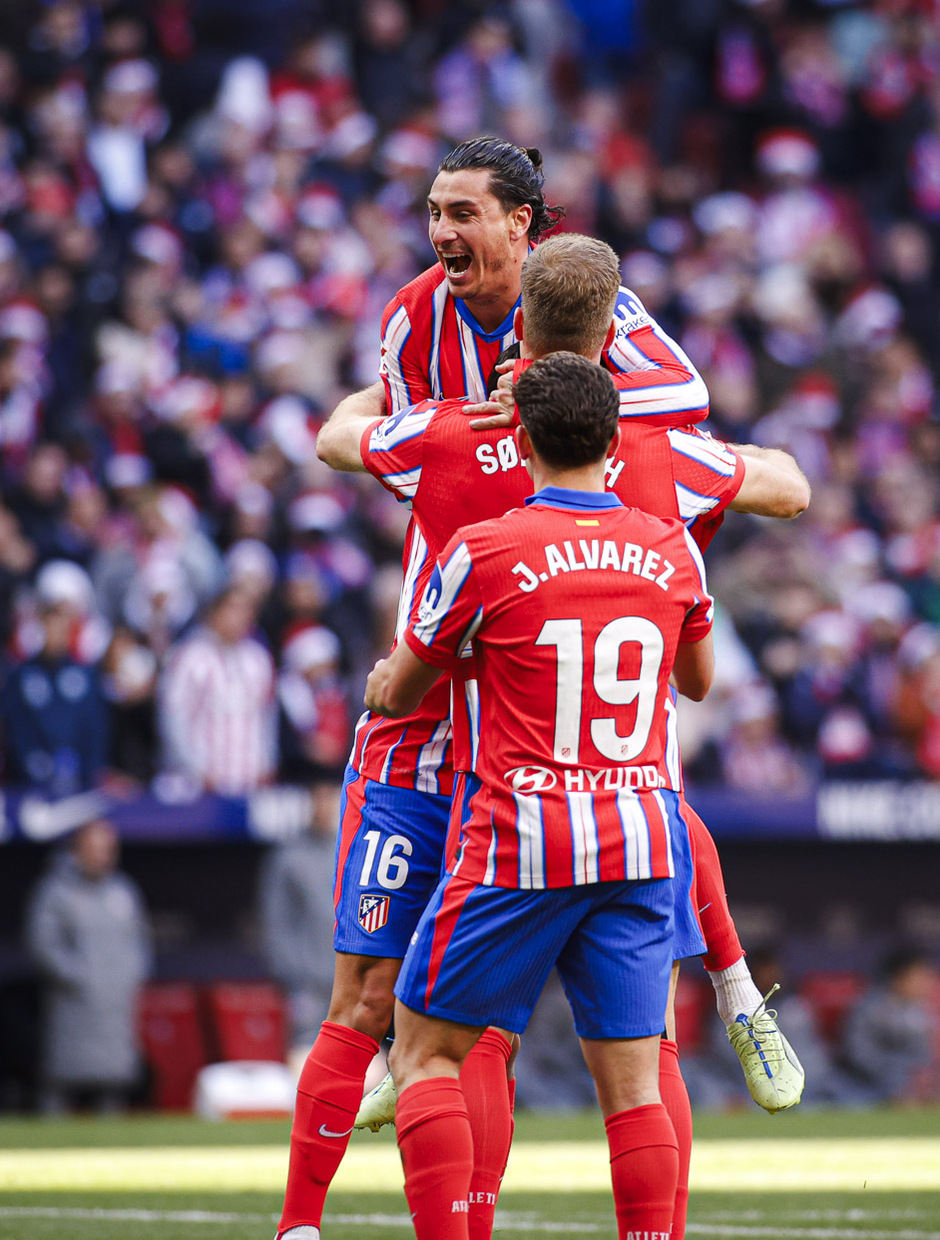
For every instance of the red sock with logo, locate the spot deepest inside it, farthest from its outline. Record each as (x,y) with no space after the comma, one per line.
(644,1163)
(328,1096)
(437,1155)
(675,1098)
(486,1092)
(718,929)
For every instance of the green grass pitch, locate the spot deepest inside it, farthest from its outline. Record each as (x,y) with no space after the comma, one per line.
(810,1175)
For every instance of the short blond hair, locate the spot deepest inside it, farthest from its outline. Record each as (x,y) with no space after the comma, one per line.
(569,290)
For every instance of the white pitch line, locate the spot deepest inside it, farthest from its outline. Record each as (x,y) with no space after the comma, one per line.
(506,1222)
(207,1216)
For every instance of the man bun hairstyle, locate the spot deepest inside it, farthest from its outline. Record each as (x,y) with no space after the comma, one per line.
(570,285)
(570,409)
(516,177)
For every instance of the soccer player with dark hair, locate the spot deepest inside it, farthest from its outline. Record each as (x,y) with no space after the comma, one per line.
(442,336)
(443,333)
(579,611)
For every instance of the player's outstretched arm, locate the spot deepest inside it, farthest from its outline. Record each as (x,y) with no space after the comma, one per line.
(694,668)
(340,437)
(397,684)
(773,486)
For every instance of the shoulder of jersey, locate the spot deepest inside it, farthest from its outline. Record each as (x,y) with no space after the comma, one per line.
(419,290)
(661,525)
(630,311)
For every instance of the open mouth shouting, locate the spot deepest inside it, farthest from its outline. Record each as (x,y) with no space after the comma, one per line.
(456,265)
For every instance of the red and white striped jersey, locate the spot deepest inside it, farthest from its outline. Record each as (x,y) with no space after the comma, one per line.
(218,714)
(414,752)
(454,476)
(575,606)
(434,349)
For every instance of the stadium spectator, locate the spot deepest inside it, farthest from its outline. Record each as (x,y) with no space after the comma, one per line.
(216,703)
(88,935)
(56,721)
(889,1044)
(314,708)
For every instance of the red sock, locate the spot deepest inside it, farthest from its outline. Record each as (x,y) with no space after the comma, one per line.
(718,929)
(486,1091)
(512,1114)
(644,1168)
(328,1097)
(437,1155)
(675,1098)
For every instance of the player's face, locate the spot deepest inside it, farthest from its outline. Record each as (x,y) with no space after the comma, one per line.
(479,245)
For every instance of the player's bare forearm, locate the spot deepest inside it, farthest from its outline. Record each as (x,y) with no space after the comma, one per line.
(397,684)
(338,443)
(694,668)
(773,486)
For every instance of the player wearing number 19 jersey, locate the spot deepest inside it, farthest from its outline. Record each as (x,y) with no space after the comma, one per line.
(568,794)
(573,679)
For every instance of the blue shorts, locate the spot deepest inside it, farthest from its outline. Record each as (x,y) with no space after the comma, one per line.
(481,955)
(389,852)
(687,933)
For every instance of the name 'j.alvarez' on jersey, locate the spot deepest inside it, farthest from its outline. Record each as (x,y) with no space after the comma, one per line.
(573,675)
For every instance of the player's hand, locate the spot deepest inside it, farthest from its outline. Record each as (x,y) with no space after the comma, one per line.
(499,410)
(374,700)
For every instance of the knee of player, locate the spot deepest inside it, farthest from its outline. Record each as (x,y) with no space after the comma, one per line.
(374,1008)
(369,1012)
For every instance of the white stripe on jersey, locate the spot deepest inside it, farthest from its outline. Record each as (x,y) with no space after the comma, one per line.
(472,707)
(636,830)
(643,843)
(700,565)
(406,483)
(531,841)
(704,449)
(691,504)
(400,428)
(396,336)
(690,394)
(453,576)
(489,878)
(438,304)
(584,841)
(632,821)
(387,764)
(431,757)
(418,553)
(473,372)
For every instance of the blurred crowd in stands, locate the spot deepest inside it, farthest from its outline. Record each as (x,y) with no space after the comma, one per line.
(204,207)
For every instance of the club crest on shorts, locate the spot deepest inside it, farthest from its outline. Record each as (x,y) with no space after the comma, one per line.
(373,912)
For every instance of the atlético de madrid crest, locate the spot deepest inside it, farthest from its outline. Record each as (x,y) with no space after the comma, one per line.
(373,912)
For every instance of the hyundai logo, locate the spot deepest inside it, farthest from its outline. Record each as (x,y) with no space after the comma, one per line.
(531,778)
